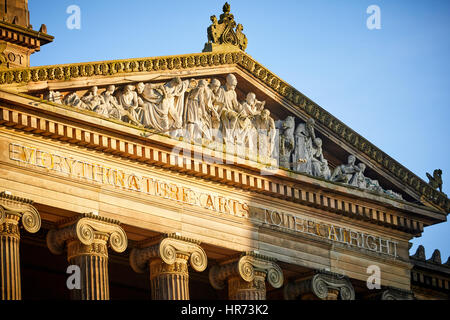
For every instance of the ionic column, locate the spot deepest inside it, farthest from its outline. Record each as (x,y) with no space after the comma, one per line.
(396,294)
(167,259)
(12,210)
(323,285)
(87,238)
(246,276)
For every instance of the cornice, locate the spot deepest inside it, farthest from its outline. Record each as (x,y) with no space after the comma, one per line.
(66,72)
(24,36)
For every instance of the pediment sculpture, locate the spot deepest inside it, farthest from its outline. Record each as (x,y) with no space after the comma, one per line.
(204,111)
(224,32)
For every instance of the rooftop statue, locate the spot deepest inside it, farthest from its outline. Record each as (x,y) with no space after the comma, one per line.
(225,34)
(435,181)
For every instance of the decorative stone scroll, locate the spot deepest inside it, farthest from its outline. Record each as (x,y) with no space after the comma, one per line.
(166,256)
(323,285)
(87,238)
(246,275)
(12,210)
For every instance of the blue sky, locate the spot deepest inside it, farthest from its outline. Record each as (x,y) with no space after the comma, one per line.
(390,85)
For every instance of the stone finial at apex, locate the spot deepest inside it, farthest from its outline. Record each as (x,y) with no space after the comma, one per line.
(224,34)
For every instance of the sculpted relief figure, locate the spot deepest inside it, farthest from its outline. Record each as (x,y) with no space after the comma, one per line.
(286,131)
(200,111)
(216,112)
(319,165)
(164,106)
(245,131)
(73,100)
(115,110)
(213,32)
(354,175)
(128,99)
(95,102)
(230,107)
(308,155)
(266,130)
(304,137)
(345,172)
(53,96)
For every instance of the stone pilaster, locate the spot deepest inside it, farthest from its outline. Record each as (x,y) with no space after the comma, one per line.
(167,259)
(86,238)
(12,211)
(246,276)
(323,285)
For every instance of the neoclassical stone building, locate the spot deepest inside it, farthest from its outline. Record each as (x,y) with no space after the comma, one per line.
(196,176)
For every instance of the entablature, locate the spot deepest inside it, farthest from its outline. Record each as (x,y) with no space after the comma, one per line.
(157,150)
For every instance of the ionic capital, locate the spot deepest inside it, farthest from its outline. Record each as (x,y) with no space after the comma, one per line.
(168,248)
(396,294)
(88,229)
(246,266)
(322,284)
(12,209)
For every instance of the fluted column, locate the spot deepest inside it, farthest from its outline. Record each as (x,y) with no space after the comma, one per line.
(167,259)
(323,285)
(12,210)
(246,276)
(87,238)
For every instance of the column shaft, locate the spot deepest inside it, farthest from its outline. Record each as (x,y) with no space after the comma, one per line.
(94,278)
(169,281)
(93,262)
(87,237)
(239,289)
(10,259)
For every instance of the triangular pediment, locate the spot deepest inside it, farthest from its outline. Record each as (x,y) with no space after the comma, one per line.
(53,84)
